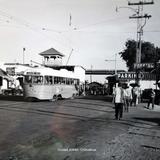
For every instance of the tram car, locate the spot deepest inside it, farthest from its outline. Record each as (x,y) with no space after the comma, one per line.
(45,83)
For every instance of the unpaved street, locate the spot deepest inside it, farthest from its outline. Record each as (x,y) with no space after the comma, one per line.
(78,129)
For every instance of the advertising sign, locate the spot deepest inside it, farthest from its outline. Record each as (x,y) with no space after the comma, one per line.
(144,65)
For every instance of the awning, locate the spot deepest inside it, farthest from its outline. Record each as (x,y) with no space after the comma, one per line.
(5,76)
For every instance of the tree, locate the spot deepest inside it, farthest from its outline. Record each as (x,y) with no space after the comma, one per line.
(149,54)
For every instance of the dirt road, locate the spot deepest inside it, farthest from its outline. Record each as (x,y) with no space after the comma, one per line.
(78,129)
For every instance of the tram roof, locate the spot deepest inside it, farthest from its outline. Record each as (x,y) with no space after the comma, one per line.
(67,67)
(51,52)
(50,72)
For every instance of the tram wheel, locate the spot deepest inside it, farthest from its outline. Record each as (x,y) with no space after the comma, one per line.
(73,96)
(55,98)
(59,96)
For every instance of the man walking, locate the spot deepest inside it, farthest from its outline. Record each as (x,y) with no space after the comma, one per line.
(119,100)
(151,98)
(128,98)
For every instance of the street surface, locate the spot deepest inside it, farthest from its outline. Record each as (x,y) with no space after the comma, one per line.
(78,129)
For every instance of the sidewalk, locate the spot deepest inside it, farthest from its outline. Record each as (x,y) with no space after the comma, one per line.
(156,107)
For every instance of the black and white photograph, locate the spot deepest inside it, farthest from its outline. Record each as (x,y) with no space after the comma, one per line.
(79,80)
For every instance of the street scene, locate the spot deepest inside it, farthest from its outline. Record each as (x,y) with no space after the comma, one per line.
(79,80)
(77,129)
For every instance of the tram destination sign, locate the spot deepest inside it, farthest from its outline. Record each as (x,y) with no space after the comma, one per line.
(129,75)
(33,73)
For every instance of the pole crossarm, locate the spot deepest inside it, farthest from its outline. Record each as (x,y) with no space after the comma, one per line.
(141,3)
(145,16)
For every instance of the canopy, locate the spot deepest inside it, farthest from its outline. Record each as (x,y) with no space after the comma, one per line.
(5,76)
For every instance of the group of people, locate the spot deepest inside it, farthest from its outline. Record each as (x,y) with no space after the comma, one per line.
(124,97)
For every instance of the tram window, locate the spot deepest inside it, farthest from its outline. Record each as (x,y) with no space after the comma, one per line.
(55,80)
(1,81)
(67,81)
(72,81)
(48,80)
(60,80)
(63,80)
(78,81)
(28,79)
(37,79)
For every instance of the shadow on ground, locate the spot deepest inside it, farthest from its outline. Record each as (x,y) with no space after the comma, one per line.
(154,120)
(107,98)
(11,98)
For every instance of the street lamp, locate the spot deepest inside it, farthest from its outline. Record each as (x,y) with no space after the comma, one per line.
(133,9)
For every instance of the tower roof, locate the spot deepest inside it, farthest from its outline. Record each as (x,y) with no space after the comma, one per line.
(51,52)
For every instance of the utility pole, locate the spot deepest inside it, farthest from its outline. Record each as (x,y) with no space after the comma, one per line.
(140,16)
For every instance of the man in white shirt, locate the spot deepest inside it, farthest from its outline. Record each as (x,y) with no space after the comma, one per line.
(119,100)
(128,98)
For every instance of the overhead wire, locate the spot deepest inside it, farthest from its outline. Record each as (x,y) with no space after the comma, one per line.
(39,30)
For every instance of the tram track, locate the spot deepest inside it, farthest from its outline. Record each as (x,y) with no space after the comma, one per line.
(75,117)
(44,113)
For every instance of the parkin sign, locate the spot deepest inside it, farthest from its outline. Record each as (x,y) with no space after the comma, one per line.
(130,75)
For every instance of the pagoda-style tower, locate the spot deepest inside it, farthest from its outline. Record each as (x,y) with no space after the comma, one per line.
(52,57)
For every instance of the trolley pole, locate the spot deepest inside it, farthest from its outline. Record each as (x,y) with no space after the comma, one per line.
(91,74)
(140,24)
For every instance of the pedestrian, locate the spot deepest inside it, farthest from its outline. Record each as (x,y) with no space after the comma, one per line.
(113,93)
(119,100)
(135,93)
(151,98)
(127,98)
(139,93)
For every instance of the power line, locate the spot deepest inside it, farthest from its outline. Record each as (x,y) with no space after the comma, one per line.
(98,23)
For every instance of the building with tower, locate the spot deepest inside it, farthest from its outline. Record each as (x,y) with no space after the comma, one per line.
(52,57)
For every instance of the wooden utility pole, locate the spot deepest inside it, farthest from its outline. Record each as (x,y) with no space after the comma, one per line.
(140,16)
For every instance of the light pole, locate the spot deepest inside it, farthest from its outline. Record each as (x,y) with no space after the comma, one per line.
(23,54)
(91,74)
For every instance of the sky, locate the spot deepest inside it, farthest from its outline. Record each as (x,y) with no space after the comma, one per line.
(97,32)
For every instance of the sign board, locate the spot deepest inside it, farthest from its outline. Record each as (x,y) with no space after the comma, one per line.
(129,75)
(150,76)
(141,76)
(33,73)
(143,65)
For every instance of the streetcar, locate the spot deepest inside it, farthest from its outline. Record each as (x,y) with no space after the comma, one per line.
(45,83)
